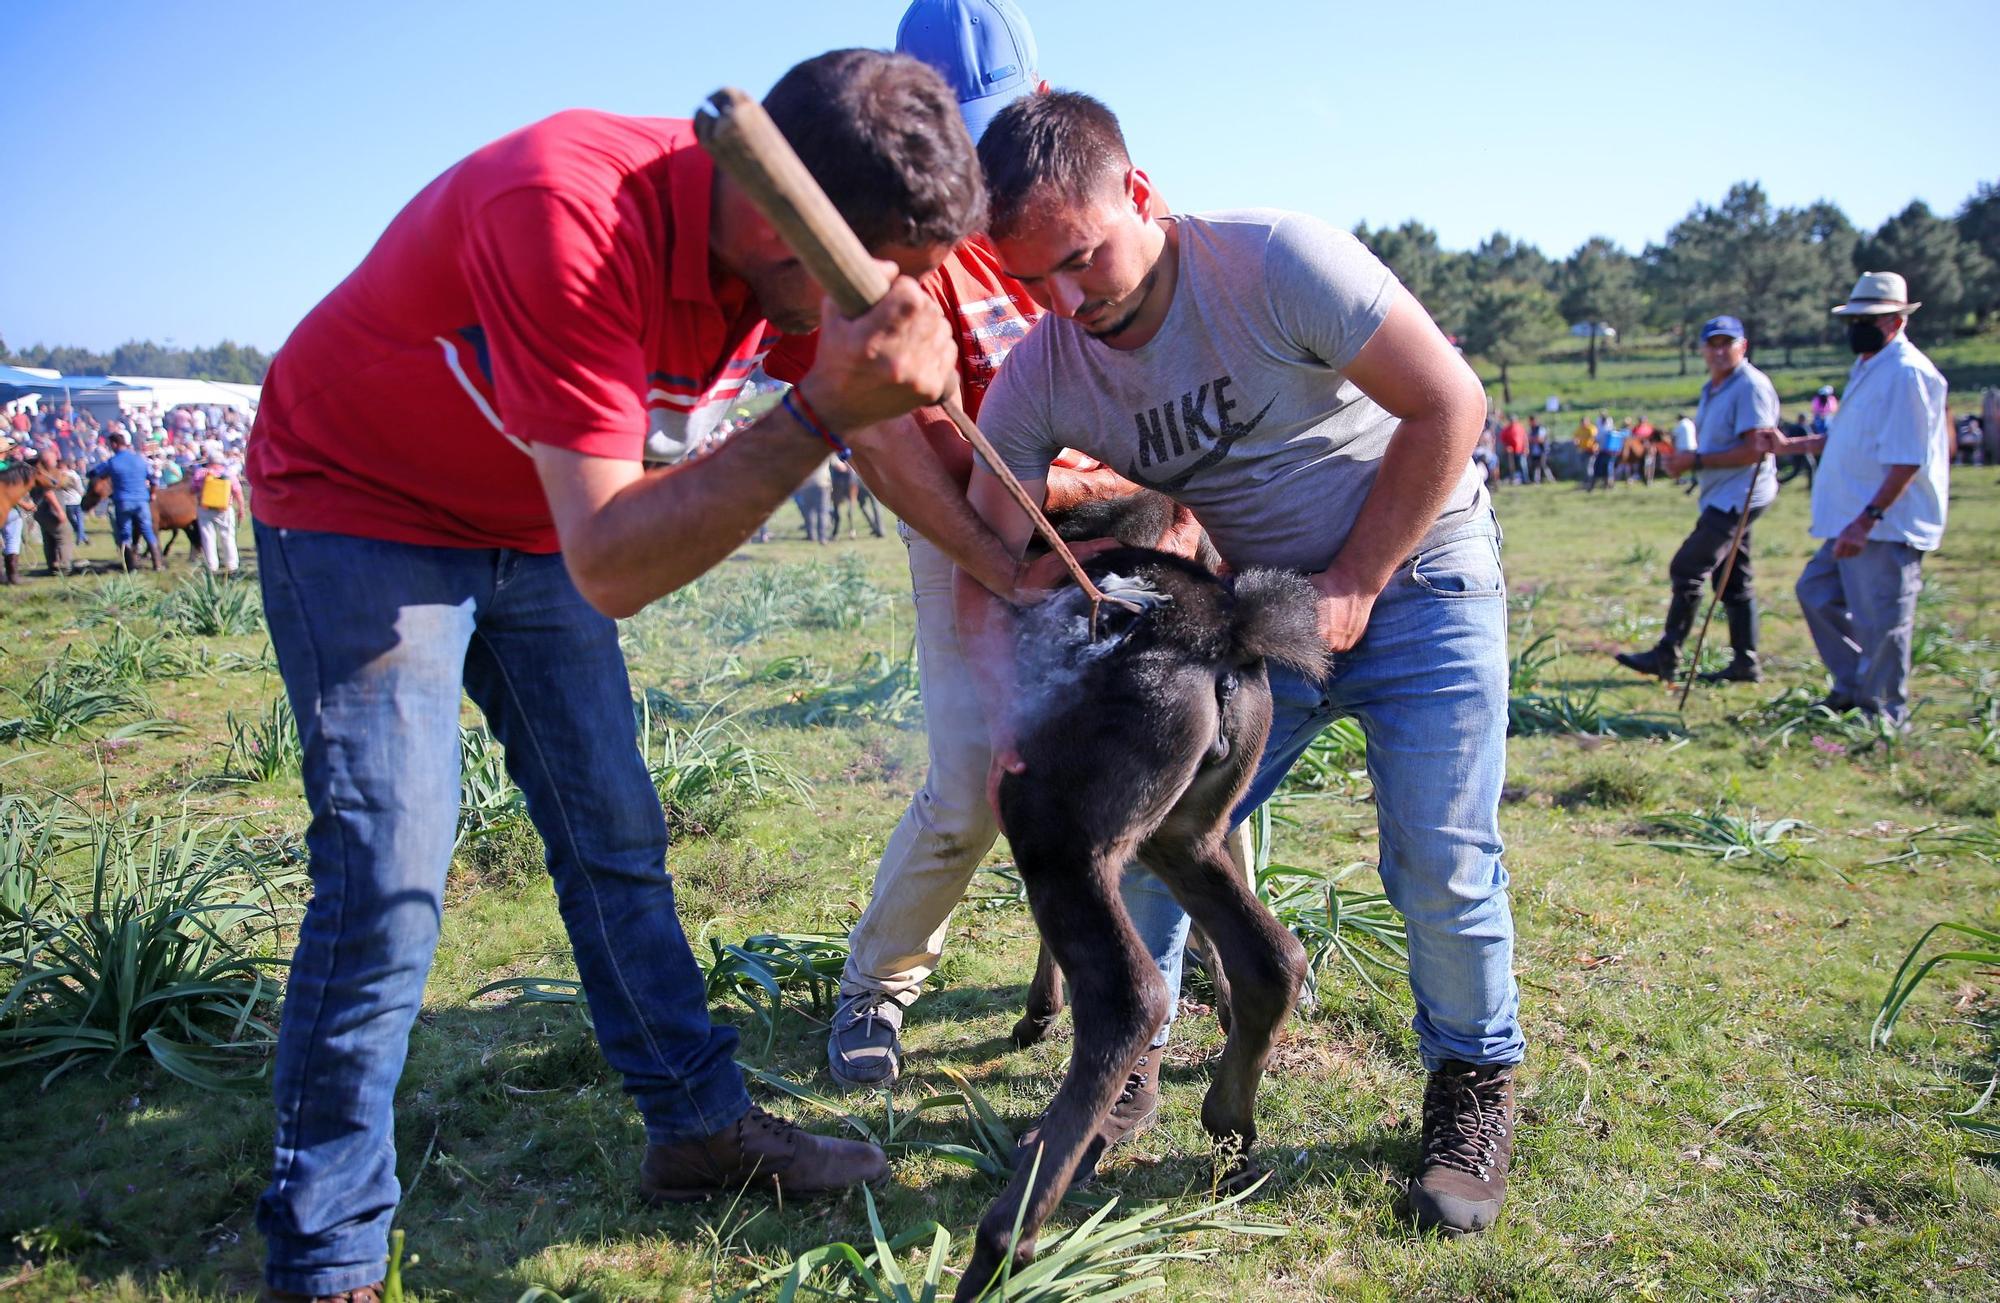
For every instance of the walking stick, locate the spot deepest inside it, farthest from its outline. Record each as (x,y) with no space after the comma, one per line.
(1722,584)
(748,146)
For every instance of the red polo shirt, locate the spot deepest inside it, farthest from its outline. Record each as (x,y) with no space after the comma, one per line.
(554,288)
(988,310)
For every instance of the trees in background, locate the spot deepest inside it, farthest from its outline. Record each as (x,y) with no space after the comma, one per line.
(1599,284)
(1509,321)
(228,361)
(1779,269)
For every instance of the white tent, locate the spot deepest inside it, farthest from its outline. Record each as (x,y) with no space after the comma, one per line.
(174,393)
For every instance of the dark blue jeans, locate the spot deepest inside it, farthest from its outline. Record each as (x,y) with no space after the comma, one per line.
(376,641)
(132,524)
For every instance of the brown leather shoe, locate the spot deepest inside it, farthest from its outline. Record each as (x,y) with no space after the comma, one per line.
(1468,1147)
(366,1294)
(762,1151)
(1135,1110)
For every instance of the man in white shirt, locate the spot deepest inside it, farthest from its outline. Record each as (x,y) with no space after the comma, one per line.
(1878,502)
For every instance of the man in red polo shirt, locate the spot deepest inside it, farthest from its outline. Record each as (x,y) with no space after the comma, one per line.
(450,498)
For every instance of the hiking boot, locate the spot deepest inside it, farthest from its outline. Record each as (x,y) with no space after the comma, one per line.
(1135,1110)
(1837,702)
(862,1049)
(1662,661)
(1742,668)
(1468,1144)
(757,1150)
(366,1294)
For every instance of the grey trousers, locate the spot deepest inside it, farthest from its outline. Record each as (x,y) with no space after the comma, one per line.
(1861,610)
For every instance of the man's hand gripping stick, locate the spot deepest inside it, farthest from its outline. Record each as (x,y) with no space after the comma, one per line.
(748,146)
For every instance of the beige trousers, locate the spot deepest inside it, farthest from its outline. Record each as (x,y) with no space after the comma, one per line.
(948,827)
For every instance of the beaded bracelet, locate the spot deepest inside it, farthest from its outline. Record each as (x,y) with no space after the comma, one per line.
(802,411)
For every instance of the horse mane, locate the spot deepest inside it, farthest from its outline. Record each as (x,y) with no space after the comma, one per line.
(19,472)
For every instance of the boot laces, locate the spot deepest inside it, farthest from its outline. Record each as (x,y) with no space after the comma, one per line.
(865,1011)
(770,1124)
(1134,1083)
(1465,1118)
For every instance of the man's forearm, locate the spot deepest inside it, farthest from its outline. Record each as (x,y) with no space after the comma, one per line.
(921,490)
(1894,480)
(667,527)
(1420,468)
(1741,455)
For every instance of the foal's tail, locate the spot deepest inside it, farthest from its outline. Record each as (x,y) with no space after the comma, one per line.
(1277,618)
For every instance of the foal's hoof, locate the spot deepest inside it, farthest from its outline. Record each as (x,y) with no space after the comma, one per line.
(1031,1030)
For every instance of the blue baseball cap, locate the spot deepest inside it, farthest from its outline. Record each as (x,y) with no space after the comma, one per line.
(982,48)
(1714,326)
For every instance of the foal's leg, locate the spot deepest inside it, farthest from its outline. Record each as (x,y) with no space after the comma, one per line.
(1045,1001)
(1117,999)
(1265,967)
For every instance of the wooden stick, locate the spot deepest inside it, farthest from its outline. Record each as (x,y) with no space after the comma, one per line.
(748,146)
(1721,585)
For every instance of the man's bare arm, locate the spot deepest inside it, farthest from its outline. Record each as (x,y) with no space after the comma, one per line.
(630,536)
(908,473)
(1414,373)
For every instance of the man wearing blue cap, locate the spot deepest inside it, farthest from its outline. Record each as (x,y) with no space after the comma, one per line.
(1734,476)
(986,53)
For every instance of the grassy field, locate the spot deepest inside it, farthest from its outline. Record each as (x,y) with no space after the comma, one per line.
(1702,1113)
(1644,376)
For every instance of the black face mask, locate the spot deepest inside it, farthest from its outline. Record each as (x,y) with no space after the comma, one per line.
(1864,335)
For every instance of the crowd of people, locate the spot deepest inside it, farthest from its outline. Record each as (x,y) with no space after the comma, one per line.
(1320,425)
(138,452)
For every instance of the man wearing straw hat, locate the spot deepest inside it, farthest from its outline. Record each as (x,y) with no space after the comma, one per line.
(1878,502)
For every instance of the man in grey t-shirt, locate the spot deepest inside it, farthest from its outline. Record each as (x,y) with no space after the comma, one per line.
(1734,476)
(1268,371)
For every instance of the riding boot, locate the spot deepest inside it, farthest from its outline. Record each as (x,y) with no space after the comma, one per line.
(1663,659)
(153,550)
(13,570)
(1742,667)
(130,555)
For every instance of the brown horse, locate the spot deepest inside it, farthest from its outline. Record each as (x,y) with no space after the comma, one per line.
(174,510)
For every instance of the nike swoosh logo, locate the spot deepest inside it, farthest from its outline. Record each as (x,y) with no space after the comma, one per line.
(1231,432)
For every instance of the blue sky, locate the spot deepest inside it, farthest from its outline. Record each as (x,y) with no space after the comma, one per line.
(200,170)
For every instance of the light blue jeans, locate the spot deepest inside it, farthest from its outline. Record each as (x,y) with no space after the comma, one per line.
(1862,611)
(1428,684)
(377,643)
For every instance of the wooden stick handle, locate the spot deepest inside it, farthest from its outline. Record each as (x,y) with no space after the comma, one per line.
(747,145)
(740,136)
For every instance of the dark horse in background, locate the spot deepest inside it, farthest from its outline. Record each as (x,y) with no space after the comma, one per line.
(1138,743)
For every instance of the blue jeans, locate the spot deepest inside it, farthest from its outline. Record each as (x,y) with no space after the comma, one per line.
(75,513)
(132,522)
(376,641)
(1428,684)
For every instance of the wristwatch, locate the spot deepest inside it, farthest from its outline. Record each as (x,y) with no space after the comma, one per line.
(1874,512)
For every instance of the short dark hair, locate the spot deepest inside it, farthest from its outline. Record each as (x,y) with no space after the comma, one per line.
(881,134)
(1062,138)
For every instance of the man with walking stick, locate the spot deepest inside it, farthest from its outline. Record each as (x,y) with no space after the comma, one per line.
(1737,482)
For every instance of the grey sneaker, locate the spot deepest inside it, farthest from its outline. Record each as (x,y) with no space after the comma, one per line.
(862,1049)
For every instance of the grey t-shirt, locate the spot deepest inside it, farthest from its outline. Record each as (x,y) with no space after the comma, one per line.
(1238,406)
(1746,401)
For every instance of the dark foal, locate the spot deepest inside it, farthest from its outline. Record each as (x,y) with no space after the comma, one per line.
(1139,744)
